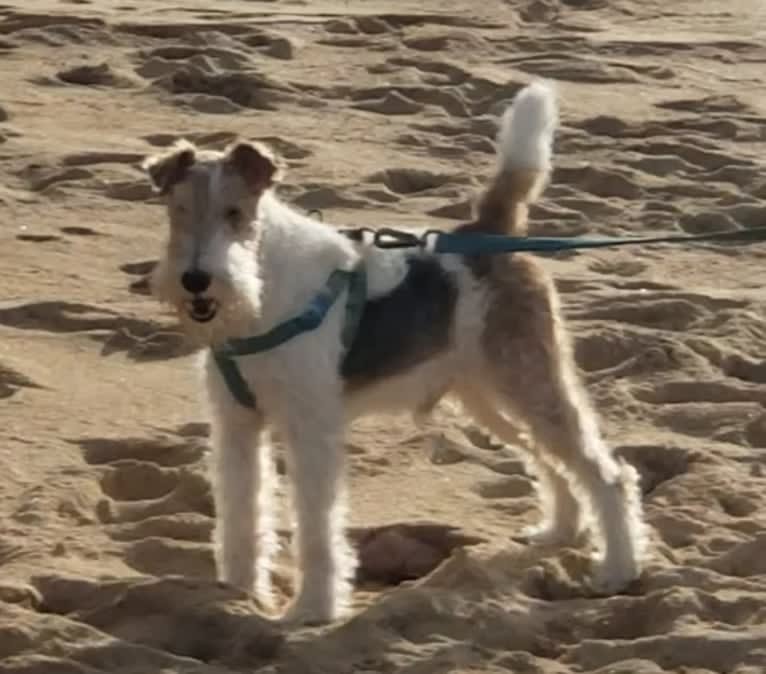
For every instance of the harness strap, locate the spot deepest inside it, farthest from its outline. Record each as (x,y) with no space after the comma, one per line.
(355,301)
(354,280)
(234,380)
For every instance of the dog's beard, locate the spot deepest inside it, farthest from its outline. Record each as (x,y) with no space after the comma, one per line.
(234,317)
(226,310)
(229,307)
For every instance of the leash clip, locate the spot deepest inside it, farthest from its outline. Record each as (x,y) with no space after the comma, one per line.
(394,238)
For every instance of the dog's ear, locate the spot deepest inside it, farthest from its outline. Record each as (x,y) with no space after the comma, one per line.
(259,167)
(170,167)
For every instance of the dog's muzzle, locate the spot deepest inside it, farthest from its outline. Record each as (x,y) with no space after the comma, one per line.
(202,309)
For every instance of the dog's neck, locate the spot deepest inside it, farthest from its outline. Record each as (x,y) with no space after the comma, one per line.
(296,255)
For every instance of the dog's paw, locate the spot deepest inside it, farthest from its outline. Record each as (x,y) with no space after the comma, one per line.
(610,578)
(551,534)
(303,612)
(300,616)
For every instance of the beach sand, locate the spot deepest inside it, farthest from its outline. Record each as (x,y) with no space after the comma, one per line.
(386,115)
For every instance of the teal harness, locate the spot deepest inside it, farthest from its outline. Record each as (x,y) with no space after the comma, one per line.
(355,282)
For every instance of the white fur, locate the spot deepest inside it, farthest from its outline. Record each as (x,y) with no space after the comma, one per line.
(525,140)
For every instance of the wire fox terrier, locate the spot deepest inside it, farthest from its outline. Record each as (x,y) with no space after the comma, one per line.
(486,329)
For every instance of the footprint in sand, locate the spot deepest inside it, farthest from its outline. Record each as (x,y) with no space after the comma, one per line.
(182,526)
(657,464)
(692,153)
(275,46)
(41,178)
(409,99)
(413,180)
(515,486)
(624,268)
(395,553)
(198,620)
(667,311)
(37,238)
(181,30)
(211,58)
(625,351)
(599,182)
(140,339)
(13,380)
(207,88)
(165,556)
(130,190)
(577,69)
(184,491)
(455,40)
(390,103)
(14,22)
(155,502)
(447,449)
(143,270)
(100,74)
(161,451)
(723,422)
(744,368)
(746,559)
(76,168)
(755,432)
(77,230)
(321,197)
(681,391)
(361,26)
(134,480)
(709,104)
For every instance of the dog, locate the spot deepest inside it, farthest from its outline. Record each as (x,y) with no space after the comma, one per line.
(485,330)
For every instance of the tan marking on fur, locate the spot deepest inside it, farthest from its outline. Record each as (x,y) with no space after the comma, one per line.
(256,163)
(523,336)
(168,168)
(193,208)
(502,208)
(531,376)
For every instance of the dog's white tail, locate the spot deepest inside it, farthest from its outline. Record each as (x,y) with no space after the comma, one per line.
(524,161)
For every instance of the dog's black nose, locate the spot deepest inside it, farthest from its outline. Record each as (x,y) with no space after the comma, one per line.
(195,281)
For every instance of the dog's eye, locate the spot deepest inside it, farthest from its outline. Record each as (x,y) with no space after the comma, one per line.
(233,215)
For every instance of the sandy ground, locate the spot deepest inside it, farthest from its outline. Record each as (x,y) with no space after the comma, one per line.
(385,112)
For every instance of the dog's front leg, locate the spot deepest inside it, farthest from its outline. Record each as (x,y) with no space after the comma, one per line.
(316,466)
(243,479)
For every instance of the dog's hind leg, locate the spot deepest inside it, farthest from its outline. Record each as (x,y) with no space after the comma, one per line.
(562,522)
(532,371)
(243,480)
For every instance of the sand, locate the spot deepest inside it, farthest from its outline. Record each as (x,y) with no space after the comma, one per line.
(385,113)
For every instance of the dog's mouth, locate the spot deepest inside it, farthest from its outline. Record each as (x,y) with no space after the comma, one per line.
(202,309)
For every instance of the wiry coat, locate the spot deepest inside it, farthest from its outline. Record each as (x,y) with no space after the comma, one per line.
(239,262)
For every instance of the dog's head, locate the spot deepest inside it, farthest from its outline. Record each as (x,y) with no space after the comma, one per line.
(209,272)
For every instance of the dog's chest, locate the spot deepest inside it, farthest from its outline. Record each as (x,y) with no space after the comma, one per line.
(406,321)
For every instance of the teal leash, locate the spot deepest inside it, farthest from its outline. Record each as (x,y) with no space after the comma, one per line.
(436,241)
(460,243)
